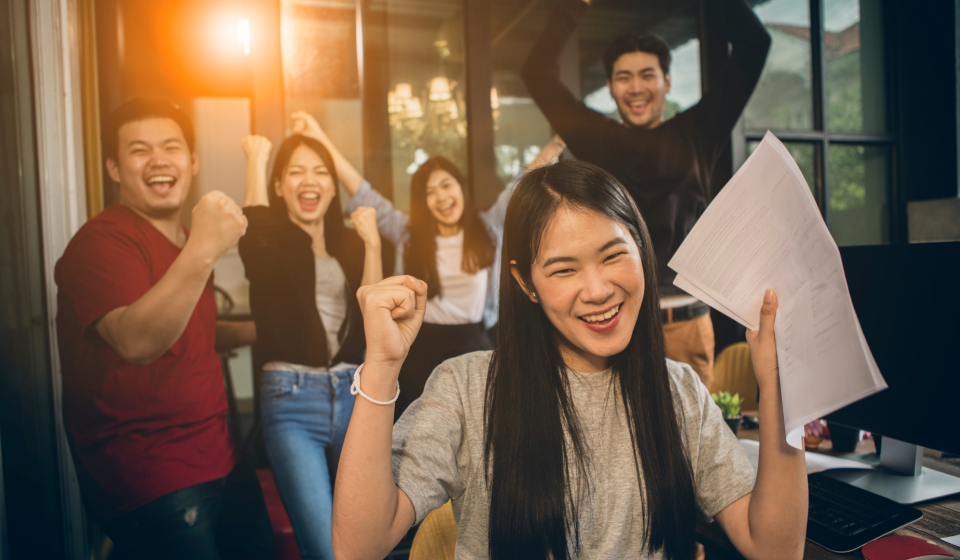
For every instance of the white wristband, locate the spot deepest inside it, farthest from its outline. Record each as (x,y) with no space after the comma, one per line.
(355,389)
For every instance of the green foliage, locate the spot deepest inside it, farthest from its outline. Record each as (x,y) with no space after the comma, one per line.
(848,177)
(670,110)
(845,92)
(729,404)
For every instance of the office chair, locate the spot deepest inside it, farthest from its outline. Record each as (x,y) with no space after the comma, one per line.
(437,536)
(733,371)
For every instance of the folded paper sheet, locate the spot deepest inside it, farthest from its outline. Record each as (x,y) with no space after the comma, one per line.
(764,230)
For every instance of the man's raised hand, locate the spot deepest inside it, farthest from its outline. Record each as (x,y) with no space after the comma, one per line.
(393,311)
(217,223)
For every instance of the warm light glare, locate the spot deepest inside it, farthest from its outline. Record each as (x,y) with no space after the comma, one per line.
(402,102)
(440,89)
(494,99)
(243,35)
(414,109)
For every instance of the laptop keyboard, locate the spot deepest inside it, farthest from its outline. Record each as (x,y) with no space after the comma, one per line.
(846,509)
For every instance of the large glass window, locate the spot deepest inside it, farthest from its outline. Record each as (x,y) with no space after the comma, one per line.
(854,53)
(823,92)
(519,128)
(320,72)
(427,80)
(858,200)
(783,98)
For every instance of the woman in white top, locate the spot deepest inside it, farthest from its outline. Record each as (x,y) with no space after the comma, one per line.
(575,437)
(445,241)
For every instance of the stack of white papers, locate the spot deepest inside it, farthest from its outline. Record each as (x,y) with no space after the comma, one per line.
(764,230)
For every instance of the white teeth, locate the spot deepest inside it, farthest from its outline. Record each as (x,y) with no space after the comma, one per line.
(310,196)
(160,179)
(602,316)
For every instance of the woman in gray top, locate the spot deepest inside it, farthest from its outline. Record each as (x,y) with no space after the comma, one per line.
(581,439)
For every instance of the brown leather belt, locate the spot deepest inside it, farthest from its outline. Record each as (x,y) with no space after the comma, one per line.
(685,313)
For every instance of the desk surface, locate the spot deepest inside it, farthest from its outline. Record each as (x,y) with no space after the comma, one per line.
(941,518)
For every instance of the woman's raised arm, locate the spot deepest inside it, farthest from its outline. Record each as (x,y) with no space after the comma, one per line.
(771,522)
(257,150)
(304,123)
(495,215)
(370,514)
(550,151)
(364,219)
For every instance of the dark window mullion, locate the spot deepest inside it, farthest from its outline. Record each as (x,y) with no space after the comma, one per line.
(816,136)
(819,165)
(867,140)
(825,174)
(818,66)
(821,121)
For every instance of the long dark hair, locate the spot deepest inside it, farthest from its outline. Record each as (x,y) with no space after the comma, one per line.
(333,227)
(420,255)
(528,404)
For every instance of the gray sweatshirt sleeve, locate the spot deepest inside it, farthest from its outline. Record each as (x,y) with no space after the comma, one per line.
(426,444)
(391,223)
(496,214)
(721,470)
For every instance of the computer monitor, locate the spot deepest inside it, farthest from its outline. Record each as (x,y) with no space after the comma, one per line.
(907,298)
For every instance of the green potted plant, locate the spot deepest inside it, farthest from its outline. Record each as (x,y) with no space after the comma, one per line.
(730,407)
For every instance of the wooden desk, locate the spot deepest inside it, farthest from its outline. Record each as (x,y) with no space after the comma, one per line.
(941,518)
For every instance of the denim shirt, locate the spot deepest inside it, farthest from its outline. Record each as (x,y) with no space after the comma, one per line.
(394,225)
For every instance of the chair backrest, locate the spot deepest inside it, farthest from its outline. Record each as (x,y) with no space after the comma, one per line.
(733,371)
(436,538)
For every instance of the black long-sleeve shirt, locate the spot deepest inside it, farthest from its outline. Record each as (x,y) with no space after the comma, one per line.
(279,262)
(666,169)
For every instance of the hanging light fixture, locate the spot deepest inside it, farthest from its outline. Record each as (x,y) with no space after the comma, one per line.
(403,92)
(440,89)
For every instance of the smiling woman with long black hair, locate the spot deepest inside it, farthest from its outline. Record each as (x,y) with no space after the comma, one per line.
(576,437)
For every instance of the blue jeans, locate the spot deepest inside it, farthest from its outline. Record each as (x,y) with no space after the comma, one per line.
(304,417)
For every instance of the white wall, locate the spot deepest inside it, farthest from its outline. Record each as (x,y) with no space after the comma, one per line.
(221,123)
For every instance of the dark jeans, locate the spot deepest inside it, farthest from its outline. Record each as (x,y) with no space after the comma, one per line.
(224,518)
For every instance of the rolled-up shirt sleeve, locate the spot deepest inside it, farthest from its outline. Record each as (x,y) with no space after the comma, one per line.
(426,443)
(722,472)
(391,223)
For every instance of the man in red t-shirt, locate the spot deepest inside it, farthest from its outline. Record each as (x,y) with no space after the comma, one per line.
(143,400)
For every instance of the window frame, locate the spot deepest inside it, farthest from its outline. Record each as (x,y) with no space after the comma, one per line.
(821,137)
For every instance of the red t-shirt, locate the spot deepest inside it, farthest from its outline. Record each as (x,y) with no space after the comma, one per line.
(137,432)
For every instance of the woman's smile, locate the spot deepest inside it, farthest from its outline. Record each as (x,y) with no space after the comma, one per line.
(309,201)
(603,322)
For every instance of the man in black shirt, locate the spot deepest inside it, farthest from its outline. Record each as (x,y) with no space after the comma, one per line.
(665,165)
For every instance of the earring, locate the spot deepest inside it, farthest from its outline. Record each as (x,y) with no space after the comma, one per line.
(534,295)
